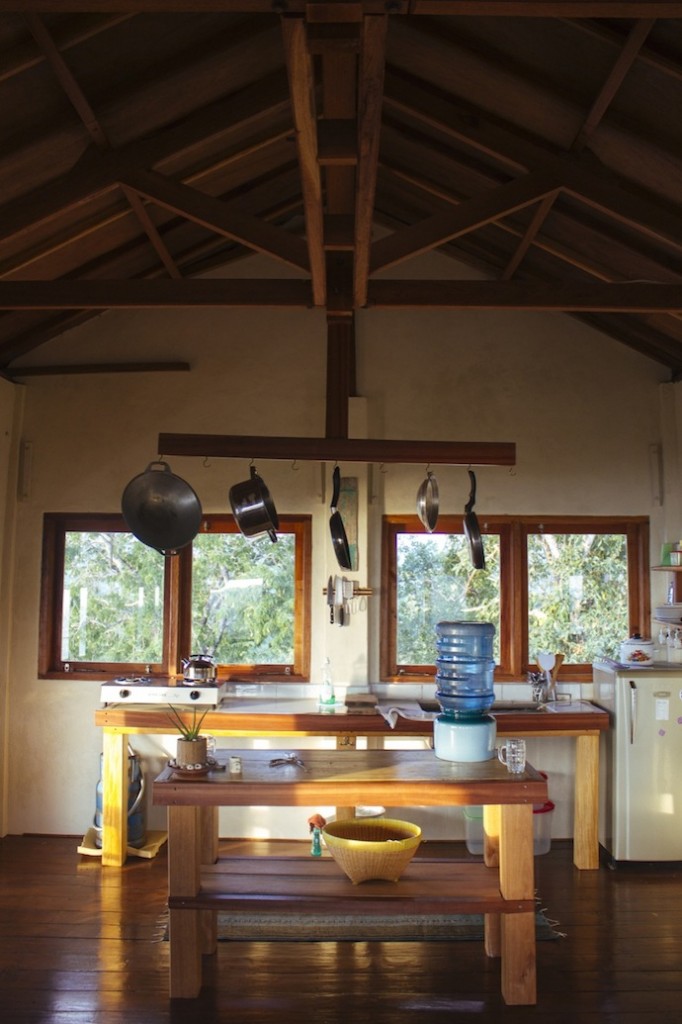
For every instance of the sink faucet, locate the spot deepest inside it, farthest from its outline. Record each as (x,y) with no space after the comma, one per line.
(540,687)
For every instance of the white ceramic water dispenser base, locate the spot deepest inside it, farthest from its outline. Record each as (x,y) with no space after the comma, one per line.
(464,739)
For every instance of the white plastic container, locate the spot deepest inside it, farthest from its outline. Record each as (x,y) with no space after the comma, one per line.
(542,828)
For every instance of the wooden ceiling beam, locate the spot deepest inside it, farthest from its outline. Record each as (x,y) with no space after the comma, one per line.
(452,8)
(371,68)
(303,102)
(614,80)
(468,216)
(97,172)
(221,217)
(566,297)
(557,296)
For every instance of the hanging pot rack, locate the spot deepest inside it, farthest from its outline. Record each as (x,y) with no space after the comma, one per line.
(341,449)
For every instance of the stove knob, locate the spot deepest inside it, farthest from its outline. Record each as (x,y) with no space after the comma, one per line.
(123,694)
(194,694)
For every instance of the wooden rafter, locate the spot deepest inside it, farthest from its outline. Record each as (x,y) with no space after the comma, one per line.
(304,107)
(622,65)
(568,296)
(370,101)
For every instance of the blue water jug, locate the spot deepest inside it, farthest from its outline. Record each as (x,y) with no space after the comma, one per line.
(464,668)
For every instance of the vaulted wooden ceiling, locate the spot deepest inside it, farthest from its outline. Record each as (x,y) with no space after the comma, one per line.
(146,143)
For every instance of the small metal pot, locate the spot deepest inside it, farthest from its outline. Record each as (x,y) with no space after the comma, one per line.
(253,508)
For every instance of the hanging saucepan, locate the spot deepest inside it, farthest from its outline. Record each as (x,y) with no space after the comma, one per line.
(336,527)
(161,509)
(253,508)
(471,528)
(427,502)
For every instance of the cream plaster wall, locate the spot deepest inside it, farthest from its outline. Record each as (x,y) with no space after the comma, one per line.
(582,409)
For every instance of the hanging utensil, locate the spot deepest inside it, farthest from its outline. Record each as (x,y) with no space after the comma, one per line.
(471,528)
(336,527)
(161,510)
(253,508)
(427,502)
(330,599)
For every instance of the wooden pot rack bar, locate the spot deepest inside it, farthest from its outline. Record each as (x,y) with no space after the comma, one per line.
(332,449)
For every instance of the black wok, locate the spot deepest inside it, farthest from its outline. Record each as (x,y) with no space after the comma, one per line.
(336,527)
(161,509)
(472,530)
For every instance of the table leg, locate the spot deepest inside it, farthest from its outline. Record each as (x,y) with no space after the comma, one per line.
(208,842)
(184,866)
(517,883)
(114,798)
(586,805)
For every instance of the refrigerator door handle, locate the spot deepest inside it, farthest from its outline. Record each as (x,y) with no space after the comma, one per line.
(633,710)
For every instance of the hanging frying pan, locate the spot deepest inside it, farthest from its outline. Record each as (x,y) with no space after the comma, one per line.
(161,509)
(471,528)
(336,527)
(427,502)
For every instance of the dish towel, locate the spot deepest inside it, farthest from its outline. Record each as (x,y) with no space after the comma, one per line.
(412,711)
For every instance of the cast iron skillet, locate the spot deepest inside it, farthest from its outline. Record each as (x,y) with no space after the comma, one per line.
(336,527)
(161,509)
(471,528)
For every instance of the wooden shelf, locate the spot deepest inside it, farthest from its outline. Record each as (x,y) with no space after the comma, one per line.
(311,885)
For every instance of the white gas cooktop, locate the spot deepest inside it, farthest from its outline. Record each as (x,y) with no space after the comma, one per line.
(146,690)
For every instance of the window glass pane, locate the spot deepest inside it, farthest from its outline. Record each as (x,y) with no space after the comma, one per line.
(113,599)
(436,583)
(577,594)
(243,598)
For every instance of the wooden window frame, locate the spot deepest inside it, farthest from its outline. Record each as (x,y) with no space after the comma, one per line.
(514,532)
(177,604)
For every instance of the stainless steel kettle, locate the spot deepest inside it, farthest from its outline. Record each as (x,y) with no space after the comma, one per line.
(199,668)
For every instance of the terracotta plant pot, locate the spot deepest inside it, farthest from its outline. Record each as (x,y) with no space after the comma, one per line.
(191,752)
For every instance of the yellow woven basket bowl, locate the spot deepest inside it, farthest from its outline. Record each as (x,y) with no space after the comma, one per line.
(369,848)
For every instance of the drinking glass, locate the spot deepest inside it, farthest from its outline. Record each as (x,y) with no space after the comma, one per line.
(512,754)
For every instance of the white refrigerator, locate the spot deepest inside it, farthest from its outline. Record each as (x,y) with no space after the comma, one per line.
(640,815)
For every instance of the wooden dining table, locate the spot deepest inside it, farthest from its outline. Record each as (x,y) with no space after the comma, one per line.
(500,886)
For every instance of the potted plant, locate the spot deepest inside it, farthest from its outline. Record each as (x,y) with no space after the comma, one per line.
(191,749)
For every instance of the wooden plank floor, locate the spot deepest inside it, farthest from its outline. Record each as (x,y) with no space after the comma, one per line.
(83,945)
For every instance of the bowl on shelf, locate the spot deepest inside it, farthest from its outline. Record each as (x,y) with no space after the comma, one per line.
(372,848)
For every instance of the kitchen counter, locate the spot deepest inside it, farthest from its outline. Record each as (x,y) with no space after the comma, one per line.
(253,718)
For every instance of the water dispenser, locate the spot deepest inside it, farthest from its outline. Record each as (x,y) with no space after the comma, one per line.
(464,678)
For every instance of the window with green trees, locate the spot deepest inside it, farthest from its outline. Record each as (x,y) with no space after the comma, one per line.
(110,605)
(572,585)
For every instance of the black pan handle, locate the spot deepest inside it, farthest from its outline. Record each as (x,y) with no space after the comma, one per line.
(337,487)
(472,494)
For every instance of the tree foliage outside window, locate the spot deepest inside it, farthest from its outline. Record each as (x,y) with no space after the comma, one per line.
(572,585)
(437,583)
(243,598)
(112,599)
(112,606)
(577,594)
